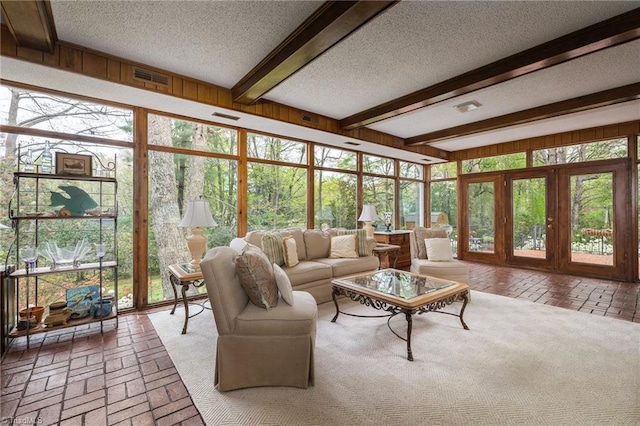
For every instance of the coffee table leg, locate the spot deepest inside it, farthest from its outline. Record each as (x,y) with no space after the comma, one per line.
(335,302)
(465,298)
(409,325)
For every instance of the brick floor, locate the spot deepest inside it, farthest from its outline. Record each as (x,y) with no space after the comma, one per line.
(124,376)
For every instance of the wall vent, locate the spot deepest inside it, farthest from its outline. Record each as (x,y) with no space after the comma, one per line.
(150,76)
(309,118)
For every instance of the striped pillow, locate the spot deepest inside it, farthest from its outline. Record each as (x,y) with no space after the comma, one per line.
(361,240)
(272,247)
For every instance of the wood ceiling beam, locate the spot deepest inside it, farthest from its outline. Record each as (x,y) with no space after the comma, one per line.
(611,32)
(30,23)
(331,23)
(582,103)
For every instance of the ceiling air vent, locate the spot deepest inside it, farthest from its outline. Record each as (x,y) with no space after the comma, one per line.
(150,76)
(227,116)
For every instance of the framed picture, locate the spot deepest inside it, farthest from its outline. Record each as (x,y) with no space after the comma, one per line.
(73,164)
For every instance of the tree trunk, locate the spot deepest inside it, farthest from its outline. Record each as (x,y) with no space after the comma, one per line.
(169,238)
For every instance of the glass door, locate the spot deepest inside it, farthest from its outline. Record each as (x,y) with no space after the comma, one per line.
(594,219)
(530,225)
(481,236)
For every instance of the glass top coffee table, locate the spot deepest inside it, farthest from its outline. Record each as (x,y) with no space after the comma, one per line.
(400,292)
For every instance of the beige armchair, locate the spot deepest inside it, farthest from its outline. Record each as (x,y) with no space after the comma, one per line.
(258,347)
(453,270)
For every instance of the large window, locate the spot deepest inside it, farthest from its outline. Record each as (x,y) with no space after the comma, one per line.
(68,125)
(411,195)
(277,188)
(335,188)
(602,150)
(444,199)
(176,178)
(492,164)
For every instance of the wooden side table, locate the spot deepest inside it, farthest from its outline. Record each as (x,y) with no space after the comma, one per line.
(399,238)
(182,275)
(387,250)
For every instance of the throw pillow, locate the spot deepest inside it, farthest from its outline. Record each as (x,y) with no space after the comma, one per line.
(343,246)
(272,246)
(284,285)
(361,240)
(438,249)
(290,249)
(422,233)
(239,245)
(255,274)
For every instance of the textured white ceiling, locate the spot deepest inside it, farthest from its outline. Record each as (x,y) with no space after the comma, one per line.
(412,45)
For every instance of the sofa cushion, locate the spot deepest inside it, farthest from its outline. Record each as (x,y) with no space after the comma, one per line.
(317,244)
(290,251)
(454,270)
(343,267)
(343,246)
(285,319)
(439,249)
(272,246)
(297,235)
(421,233)
(255,274)
(284,285)
(361,240)
(308,271)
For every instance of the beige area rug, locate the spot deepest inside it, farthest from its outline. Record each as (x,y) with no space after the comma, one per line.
(520,363)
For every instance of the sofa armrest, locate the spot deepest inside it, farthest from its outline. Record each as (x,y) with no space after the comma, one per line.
(371,244)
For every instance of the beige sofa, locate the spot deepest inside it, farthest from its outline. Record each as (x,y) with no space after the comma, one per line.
(316,270)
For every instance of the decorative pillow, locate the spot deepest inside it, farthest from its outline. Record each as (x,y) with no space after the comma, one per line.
(343,246)
(284,285)
(239,245)
(361,240)
(272,247)
(438,249)
(422,233)
(255,274)
(290,249)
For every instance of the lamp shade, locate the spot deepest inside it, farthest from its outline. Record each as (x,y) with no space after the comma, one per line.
(368,214)
(198,215)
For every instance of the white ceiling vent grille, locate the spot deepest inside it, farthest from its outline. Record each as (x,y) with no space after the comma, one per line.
(150,76)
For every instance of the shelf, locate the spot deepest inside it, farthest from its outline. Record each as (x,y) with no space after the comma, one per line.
(46,270)
(64,177)
(45,216)
(42,328)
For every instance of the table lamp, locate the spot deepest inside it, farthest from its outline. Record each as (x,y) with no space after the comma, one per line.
(368,216)
(197,217)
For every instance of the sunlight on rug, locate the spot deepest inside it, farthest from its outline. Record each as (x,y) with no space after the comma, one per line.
(520,363)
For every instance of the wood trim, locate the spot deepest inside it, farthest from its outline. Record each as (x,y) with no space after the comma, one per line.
(596,100)
(243,176)
(31,23)
(328,25)
(559,139)
(140,210)
(31,131)
(611,32)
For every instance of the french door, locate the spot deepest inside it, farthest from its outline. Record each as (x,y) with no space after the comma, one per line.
(566,218)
